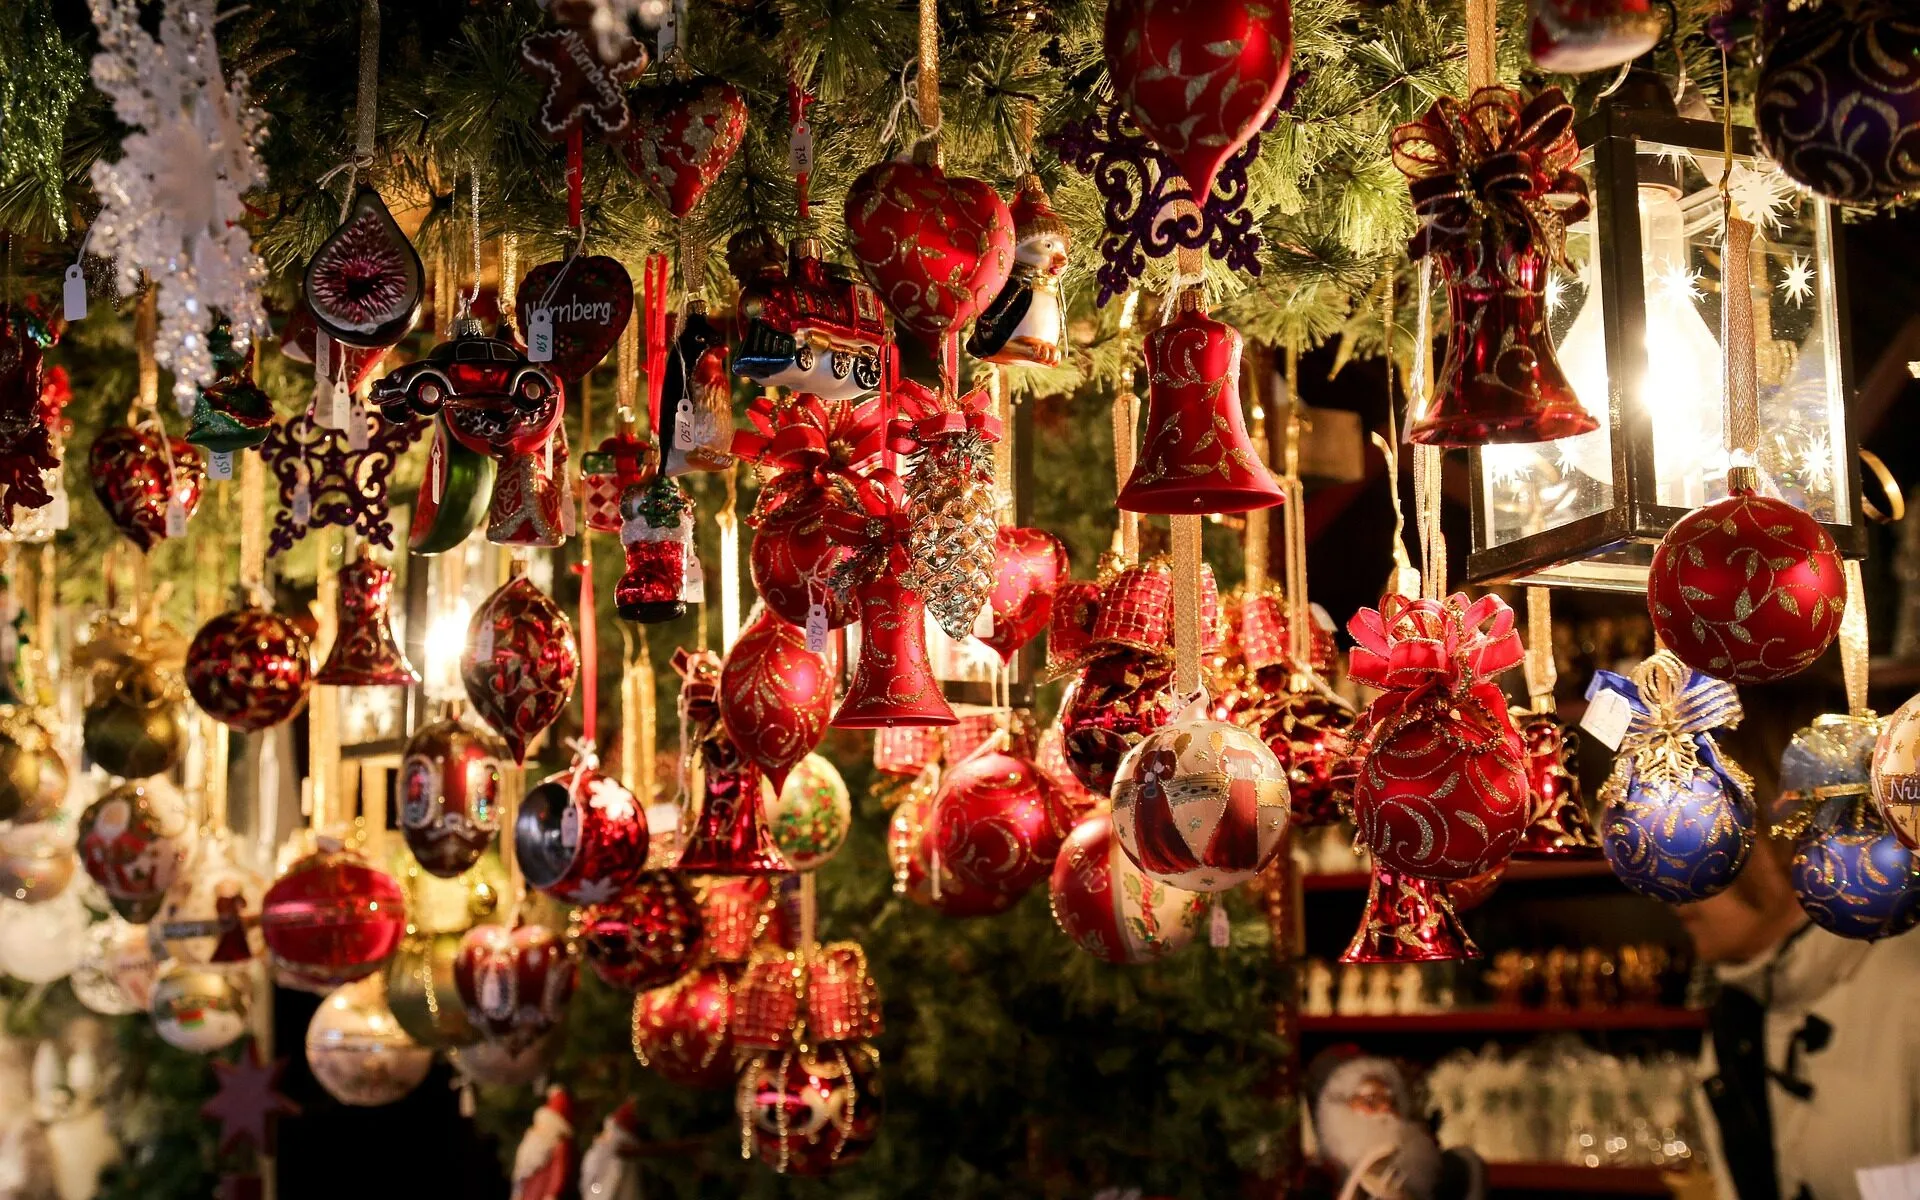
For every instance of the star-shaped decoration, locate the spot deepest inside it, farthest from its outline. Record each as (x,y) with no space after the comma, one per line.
(612,799)
(1796,282)
(249,1101)
(1679,283)
(1762,193)
(580,88)
(343,486)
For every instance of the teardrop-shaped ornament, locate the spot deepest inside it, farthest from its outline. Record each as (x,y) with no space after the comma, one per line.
(364,283)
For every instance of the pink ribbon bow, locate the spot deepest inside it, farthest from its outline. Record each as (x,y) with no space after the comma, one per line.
(1410,644)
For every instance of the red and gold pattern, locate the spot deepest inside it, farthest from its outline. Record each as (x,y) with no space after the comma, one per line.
(1109,908)
(647,938)
(620,462)
(332,919)
(515,983)
(1747,589)
(998,822)
(729,834)
(809,1112)
(580,836)
(1076,606)
(1200,804)
(683,1031)
(450,793)
(1310,729)
(249,669)
(1408,920)
(1118,701)
(893,682)
(801,997)
(588,300)
(737,912)
(137,472)
(1029,565)
(683,136)
(775,694)
(1572,37)
(1560,826)
(364,652)
(910,848)
(528,505)
(905,749)
(520,663)
(134,842)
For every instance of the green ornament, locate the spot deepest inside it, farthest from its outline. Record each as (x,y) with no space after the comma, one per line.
(43,77)
(231,413)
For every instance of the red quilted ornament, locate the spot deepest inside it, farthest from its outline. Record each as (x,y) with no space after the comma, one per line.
(1029,565)
(580,837)
(520,663)
(775,694)
(1200,77)
(332,919)
(647,938)
(1076,606)
(683,135)
(737,911)
(998,822)
(136,472)
(515,983)
(937,248)
(1747,589)
(1442,790)
(684,1032)
(249,669)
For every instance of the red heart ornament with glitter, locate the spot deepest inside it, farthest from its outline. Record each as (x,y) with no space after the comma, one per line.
(682,137)
(937,248)
(1199,77)
(589,300)
(1747,589)
(249,669)
(136,472)
(520,663)
(1028,566)
(364,284)
(775,694)
(514,983)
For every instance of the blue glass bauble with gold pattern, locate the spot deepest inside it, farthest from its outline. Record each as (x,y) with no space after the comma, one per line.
(1851,874)
(1678,840)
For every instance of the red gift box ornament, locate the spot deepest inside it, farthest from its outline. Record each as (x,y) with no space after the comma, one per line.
(515,983)
(1494,187)
(656,533)
(893,681)
(775,694)
(1408,920)
(520,662)
(580,836)
(737,912)
(364,652)
(1442,790)
(810,997)
(249,669)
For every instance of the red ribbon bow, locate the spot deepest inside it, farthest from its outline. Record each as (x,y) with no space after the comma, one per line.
(1415,644)
(927,420)
(806,433)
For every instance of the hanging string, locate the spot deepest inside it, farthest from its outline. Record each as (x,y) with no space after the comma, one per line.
(589,608)
(1539,666)
(1854,654)
(638,725)
(1126,422)
(473,215)
(1186,604)
(728,520)
(576,179)
(1737,335)
(929,109)
(323,709)
(367,105)
(626,378)
(510,274)
(1294,516)
(1426,459)
(1482,34)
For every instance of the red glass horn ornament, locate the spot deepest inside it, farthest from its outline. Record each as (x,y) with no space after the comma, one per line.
(1408,920)
(1196,457)
(364,652)
(730,834)
(893,683)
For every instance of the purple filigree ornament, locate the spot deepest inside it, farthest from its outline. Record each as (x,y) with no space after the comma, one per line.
(325,480)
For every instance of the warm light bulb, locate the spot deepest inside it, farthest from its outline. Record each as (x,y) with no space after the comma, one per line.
(446,642)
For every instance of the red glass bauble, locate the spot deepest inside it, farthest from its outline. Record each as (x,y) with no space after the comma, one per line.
(249,669)
(1837,102)
(450,793)
(520,663)
(1109,908)
(910,847)
(683,134)
(1747,589)
(580,837)
(646,938)
(791,561)
(332,919)
(1560,826)
(588,299)
(775,694)
(364,652)
(937,248)
(1029,565)
(1118,701)
(998,822)
(1408,920)
(136,472)
(134,842)
(824,995)
(893,682)
(1310,730)
(812,1112)
(515,983)
(1200,77)
(684,1031)
(1051,757)
(1572,37)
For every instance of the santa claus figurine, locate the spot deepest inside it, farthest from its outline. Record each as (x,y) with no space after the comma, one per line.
(611,1168)
(1372,1145)
(543,1165)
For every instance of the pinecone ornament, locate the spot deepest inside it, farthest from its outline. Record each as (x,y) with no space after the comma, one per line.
(951,522)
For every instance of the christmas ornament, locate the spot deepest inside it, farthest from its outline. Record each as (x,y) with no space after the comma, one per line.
(1135,612)
(893,682)
(33,774)
(1200,804)
(997,822)
(364,284)
(348,366)
(905,750)
(171,207)
(248,1102)
(729,834)
(200,1009)
(1310,729)
(211,914)
(520,662)
(587,299)
(810,327)
(358,1051)
(494,1064)
(610,1168)
(1408,919)
(949,495)
(809,997)
(581,90)
(530,505)
(515,982)
(1110,908)
(656,532)
(813,814)
(775,694)
(1573,37)
(134,841)
(1196,457)
(1442,789)
(684,134)
(343,486)
(38,94)
(1679,817)
(1199,77)
(1029,565)
(1894,780)
(580,836)
(453,495)
(737,913)
(249,669)
(918,873)
(792,561)
(543,1162)
(139,474)
(1494,187)
(683,1031)
(331,919)
(1837,103)
(134,726)
(364,652)
(621,461)
(1117,702)
(1076,606)
(449,802)
(1026,323)
(233,412)
(42,943)
(116,971)
(36,861)
(30,448)
(1747,589)
(494,400)
(1849,870)
(811,1112)
(1051,757)
(1559,827)
(421,993)
(645,939)
(937,248)
(696,399)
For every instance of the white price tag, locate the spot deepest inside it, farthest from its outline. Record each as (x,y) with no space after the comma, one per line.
(669,36)
(356,426)
(1219,927)
(339,405)
(569,514)
(540,335)
(220,466)
(1607,716)
(73,295)
(483,642)
(800,149)
(322,361)
(693,588)
(983,622)
(58,513)
(683,424)
(817,628)
(176,518)
(302,504)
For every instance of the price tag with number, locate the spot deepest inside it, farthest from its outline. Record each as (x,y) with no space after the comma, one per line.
(800,149)
(176,518)
(817,628)
(1219,927)
(220,465)
(683,424)
(483,642)
(540,335)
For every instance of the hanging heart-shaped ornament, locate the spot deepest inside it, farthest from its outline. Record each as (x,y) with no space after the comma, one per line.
(139,474)
(588,301)
(1028,565)
(682,136)
(938,248)
(364,284)
(1200,77)
(520,663)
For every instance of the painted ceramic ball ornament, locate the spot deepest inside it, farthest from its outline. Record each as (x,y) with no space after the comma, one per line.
(358,1050)
(134,842)
(812,815)
(1110,908)
(201,1009)
(1894,780)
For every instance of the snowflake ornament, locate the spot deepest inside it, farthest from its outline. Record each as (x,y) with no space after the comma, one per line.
(171,206)
(612,799)
(1796,282)
(1762,193)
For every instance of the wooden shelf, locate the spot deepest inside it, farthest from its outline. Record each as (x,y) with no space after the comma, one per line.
(1512,1020)
(1557,1179)
(1529,871)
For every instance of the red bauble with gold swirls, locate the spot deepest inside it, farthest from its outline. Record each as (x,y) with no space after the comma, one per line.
(791,562)
(520,663)
(137,472)
(1310,730)
(684,1031)
(249,669)
(1747,589)
(332,919)
(998,822)
(775,694)
(910,847)
(683,135)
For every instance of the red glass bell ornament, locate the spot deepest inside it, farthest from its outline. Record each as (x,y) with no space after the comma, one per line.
(332,919)
(656,531)
(730,834)
(364,652)
(1572,37)
(580,836)
(683,1032)
(450,793)
(1561,826)
(646,938)
(998,822)
(1408,920)
(515,983)
(520,662)
(249,669)
(893,683)
(775,694)
(529,500)
(1196,457)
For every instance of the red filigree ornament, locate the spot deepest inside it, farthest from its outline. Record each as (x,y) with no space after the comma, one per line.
(998,822)
(530,500)
(683,136)
(792,561)
(1573,37)
(647,938)
(1199,76)
(520,662)
(918,873)
(1120,699)
(729,834)
(1310,729)
(738,913)
(1442,789)
(250,669)
(810,1112)
(134,842)
(937,248)
(1747,589)
(582,90)
(775,694)
(580,836)
(1076,606)
(587,299)
(683,1032)
(1408,919)
(515,983)
(893,681)
(364,652)
(364,284)
(324,479)
(1028,566)
(1200,804)
(138,473)
(450,793)
(1110,908)
(1561,826)
(332,919)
